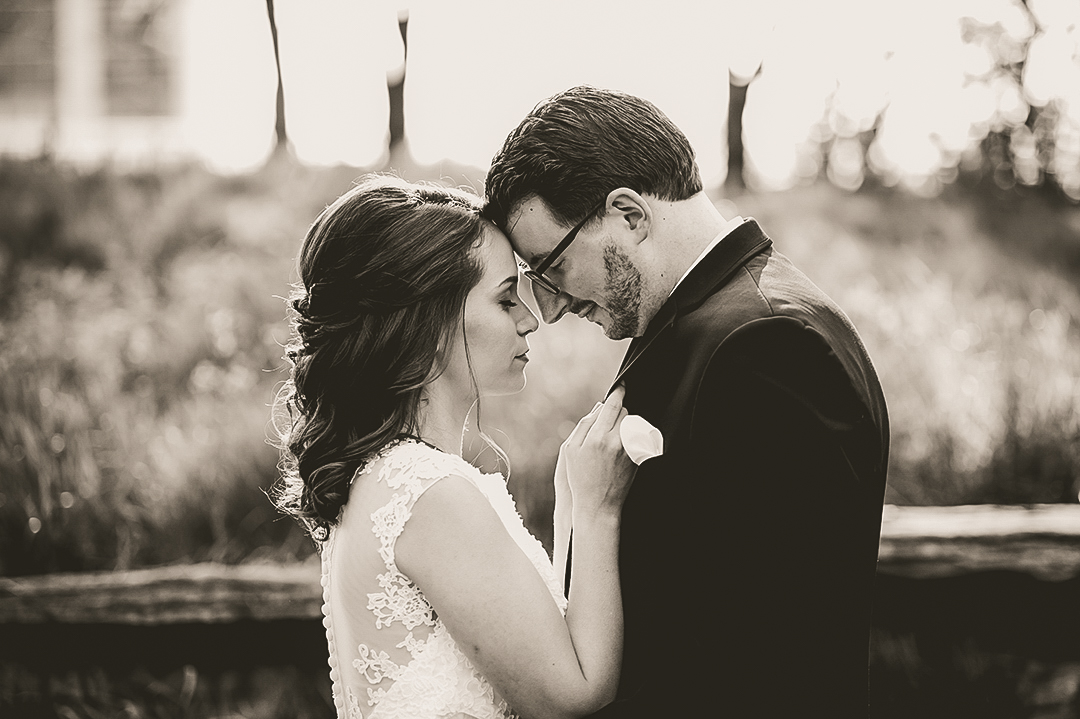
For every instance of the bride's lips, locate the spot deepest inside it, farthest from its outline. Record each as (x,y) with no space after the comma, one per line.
(524,356)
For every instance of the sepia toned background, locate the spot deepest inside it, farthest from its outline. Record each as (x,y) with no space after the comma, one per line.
(160,161)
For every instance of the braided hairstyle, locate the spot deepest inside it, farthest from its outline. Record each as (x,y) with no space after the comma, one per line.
(384,274)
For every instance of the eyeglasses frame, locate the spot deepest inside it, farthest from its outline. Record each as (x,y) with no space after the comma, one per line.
(536,276)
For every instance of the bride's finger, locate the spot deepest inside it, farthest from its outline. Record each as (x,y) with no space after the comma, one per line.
(609,412)
(581,430)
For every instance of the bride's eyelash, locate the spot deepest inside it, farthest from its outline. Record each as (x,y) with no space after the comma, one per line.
(509,304)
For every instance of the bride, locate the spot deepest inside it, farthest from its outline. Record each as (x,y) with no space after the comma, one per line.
(437,600)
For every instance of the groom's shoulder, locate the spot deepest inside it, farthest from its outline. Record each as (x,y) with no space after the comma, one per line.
(767,285)
(768,291)
(781,287)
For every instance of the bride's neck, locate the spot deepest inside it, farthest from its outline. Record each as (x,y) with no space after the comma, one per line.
(443,415)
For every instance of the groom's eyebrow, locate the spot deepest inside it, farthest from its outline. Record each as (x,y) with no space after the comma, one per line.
(530,263)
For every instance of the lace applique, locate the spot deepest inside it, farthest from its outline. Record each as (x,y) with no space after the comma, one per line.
(437,680)
(427,464)
(354,704)
(374,696)
(410,644)
(388,521)
(376,666)
(400,600)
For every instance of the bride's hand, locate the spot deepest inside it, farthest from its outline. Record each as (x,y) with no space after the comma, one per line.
(597,468)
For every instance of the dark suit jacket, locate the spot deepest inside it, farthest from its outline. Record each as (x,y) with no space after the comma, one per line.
(748,549)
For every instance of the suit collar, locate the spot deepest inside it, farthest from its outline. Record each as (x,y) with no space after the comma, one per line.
(713,271)
(717,268)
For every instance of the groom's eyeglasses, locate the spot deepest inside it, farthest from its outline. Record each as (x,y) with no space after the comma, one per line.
(536,276)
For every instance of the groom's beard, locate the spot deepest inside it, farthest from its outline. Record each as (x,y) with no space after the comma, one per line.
(623,294)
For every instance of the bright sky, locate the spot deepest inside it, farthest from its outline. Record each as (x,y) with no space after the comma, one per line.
(475,67)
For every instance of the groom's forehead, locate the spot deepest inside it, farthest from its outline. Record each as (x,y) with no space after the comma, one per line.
(533,230)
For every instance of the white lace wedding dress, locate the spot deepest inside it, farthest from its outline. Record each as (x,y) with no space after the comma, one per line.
(391,657)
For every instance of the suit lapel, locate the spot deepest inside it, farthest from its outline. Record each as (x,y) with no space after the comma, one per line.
(638,345)
(714,270)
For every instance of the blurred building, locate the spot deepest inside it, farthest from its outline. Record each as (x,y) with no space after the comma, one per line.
(135,81)
(87,78)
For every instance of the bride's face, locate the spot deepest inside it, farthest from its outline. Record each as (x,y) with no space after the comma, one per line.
(496,323)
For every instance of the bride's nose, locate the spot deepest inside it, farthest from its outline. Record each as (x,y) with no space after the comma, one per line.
(528,322)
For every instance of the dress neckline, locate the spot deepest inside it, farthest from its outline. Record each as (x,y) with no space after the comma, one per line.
(404,436)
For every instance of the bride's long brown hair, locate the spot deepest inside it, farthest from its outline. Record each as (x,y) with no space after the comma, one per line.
(384,274)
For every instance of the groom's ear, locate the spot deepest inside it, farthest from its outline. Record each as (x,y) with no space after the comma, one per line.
(633,213)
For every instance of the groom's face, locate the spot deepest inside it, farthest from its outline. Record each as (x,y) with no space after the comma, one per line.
(597,278)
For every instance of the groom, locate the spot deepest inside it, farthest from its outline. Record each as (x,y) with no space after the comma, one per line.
(748,548)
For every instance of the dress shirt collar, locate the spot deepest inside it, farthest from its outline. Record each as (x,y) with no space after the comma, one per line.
(724,232)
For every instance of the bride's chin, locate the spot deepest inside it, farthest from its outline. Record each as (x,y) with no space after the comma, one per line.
(512,386)
(523,380)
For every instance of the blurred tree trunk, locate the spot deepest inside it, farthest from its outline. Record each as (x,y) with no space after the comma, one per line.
(395,87)
(735,183)
(282,138)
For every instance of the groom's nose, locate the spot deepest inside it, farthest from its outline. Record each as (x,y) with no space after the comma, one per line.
(552,307)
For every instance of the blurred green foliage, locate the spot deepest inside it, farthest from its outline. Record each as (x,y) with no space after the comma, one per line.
(141,328)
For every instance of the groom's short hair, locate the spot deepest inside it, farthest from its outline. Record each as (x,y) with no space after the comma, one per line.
(577,146)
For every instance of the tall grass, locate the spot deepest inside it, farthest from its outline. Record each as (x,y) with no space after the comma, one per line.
(140,346)
(139,341)
(975,334)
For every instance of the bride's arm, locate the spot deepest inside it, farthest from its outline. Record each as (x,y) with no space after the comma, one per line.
(494,602)
(561,521)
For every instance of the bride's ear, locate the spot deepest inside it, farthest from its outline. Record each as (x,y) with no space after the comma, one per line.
(440,356)
(633,213)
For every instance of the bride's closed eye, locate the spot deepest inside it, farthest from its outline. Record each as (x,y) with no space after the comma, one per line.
(510,299)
